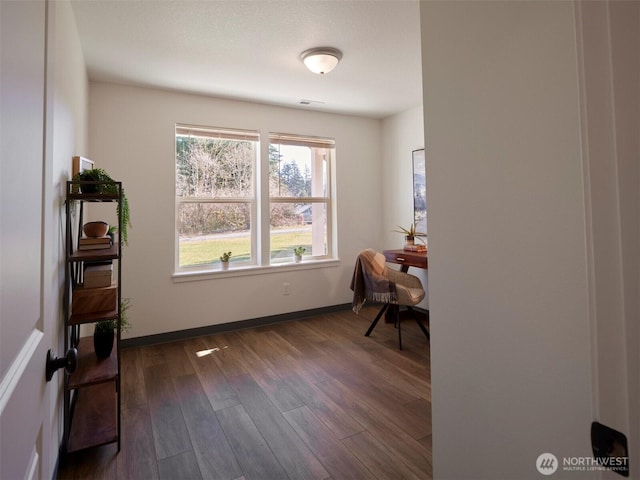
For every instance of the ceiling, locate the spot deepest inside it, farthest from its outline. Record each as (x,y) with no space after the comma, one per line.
(250,50)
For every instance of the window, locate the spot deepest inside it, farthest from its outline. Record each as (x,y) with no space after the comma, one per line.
(215,195)
(299,195)
(219,207)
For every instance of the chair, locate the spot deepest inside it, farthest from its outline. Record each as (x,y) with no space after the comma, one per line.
(373,280)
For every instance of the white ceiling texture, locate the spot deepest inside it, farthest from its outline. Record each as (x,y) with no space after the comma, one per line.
(250,50)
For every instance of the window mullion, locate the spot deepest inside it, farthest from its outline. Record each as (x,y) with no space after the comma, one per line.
(263,207)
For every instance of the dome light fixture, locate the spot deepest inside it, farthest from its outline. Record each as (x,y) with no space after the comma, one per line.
(321,60)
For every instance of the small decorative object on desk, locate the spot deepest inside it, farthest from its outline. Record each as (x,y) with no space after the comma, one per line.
(298,251)
(224,260)
(411,234)
(415,248)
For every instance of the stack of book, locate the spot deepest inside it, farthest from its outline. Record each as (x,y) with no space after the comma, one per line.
(94,243)
(415,248)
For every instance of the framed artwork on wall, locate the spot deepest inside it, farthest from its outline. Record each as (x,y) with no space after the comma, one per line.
(80,164)
(419,190)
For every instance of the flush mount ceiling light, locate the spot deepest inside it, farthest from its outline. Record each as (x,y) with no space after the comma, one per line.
(321,60)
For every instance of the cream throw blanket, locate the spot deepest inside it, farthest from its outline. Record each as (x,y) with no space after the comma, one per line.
(370,283)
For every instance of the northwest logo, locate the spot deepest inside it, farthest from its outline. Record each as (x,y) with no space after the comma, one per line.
(547,464)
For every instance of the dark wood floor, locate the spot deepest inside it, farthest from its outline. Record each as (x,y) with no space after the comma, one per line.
(308,399)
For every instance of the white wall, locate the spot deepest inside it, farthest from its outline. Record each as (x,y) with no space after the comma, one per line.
(132,137)
(401,134)
(69,137)
(510,346)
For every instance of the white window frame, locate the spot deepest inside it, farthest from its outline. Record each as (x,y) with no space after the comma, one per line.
(311,142)
(260,203)
(228,134)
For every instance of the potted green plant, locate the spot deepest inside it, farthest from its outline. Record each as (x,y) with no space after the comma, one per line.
(107,186)
(224,260)
(104,331)
(112,233)
(410,234)
(298,251)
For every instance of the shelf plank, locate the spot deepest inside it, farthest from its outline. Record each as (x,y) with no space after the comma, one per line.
(74,190)
(91,369)
(95,420)
(92,317)
(111,253)
(94,197)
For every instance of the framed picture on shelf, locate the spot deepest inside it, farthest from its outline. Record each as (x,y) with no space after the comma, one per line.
(80,164)
(419,190)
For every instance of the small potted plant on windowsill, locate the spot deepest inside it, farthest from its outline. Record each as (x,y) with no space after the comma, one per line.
(224,260)
(298,251)
(104,332)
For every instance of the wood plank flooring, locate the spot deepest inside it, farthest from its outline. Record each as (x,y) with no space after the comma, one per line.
(307,399)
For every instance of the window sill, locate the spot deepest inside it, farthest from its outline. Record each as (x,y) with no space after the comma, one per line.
(240,271)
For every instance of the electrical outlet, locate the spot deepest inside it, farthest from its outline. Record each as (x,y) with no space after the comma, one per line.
(285,289)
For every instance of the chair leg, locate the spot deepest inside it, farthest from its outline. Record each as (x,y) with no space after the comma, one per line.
(399,329)
(375,321)
(419,322)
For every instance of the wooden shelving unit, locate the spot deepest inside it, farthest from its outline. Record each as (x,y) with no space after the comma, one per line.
(92,393)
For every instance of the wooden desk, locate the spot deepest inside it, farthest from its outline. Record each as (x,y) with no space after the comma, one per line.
(407,259)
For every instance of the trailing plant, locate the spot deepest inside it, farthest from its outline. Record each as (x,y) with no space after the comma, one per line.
(107,186)
(299,250)
(110,325)
(225,257)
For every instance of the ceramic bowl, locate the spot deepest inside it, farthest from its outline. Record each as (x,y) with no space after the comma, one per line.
(95,229)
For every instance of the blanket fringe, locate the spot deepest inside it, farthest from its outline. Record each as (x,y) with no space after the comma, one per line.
(389,297)
(382,297)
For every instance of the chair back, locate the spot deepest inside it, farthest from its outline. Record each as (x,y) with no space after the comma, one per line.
(380,263)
